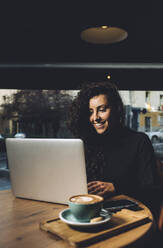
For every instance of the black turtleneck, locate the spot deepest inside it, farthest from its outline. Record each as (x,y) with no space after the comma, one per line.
(130,163)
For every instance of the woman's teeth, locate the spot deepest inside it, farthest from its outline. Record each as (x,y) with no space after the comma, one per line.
(99,124)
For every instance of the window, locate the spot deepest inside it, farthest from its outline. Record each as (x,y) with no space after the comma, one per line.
(161,103)
(147,96)
(43,113)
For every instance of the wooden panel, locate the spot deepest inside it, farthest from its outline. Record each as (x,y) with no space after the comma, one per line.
(120,222)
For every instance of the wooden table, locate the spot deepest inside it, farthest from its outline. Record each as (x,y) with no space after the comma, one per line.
(20,219)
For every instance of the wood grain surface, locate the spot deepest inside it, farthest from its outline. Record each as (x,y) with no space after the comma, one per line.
(121,221)
(20,225)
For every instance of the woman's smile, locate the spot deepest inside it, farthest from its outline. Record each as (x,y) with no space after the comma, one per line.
(99,124)
(99,113)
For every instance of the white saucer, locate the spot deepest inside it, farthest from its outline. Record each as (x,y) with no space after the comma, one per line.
(67,217)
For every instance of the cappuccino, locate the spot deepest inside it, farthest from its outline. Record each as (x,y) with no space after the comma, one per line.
(86,199)
(85,207)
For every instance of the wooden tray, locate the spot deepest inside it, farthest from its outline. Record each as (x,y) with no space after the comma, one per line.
(76,237)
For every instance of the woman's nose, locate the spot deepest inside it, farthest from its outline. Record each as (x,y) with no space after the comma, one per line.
(96,116)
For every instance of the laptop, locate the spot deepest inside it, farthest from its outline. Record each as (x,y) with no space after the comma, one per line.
(48,170)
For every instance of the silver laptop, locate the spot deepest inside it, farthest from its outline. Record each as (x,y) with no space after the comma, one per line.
(49,170)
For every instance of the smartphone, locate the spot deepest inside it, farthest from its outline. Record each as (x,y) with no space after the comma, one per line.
(120,204)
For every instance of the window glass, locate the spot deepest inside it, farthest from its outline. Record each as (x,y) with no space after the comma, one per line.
(43,113)
(144,112)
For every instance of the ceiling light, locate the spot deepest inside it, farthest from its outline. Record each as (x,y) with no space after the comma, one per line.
(104,27)
(108,77)
(103,35)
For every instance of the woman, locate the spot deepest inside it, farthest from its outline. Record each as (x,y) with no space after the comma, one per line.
(118,160)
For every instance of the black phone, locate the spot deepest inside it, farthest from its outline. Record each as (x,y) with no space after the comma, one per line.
(116,205)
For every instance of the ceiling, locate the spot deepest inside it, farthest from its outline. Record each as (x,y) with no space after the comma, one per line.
(46,34)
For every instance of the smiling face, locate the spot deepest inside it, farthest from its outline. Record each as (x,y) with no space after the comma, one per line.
(99,113)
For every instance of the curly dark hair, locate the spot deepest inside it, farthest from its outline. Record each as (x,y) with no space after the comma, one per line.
(80,126)
(78,120)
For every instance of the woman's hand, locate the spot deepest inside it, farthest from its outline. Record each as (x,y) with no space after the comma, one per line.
(104,189)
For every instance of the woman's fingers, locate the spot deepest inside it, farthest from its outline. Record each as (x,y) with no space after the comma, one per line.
(101,188)
(94,188)
(92,183)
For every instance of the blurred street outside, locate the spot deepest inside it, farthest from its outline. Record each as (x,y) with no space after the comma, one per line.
(4,173)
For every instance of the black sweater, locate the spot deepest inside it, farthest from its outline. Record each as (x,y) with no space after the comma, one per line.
(130,164)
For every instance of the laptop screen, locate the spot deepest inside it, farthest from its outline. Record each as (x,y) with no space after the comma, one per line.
(47,169)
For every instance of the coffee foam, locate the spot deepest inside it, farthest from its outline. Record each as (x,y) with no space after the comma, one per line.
(85,199)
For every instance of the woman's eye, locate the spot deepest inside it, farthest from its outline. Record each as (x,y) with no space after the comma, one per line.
(102,109)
